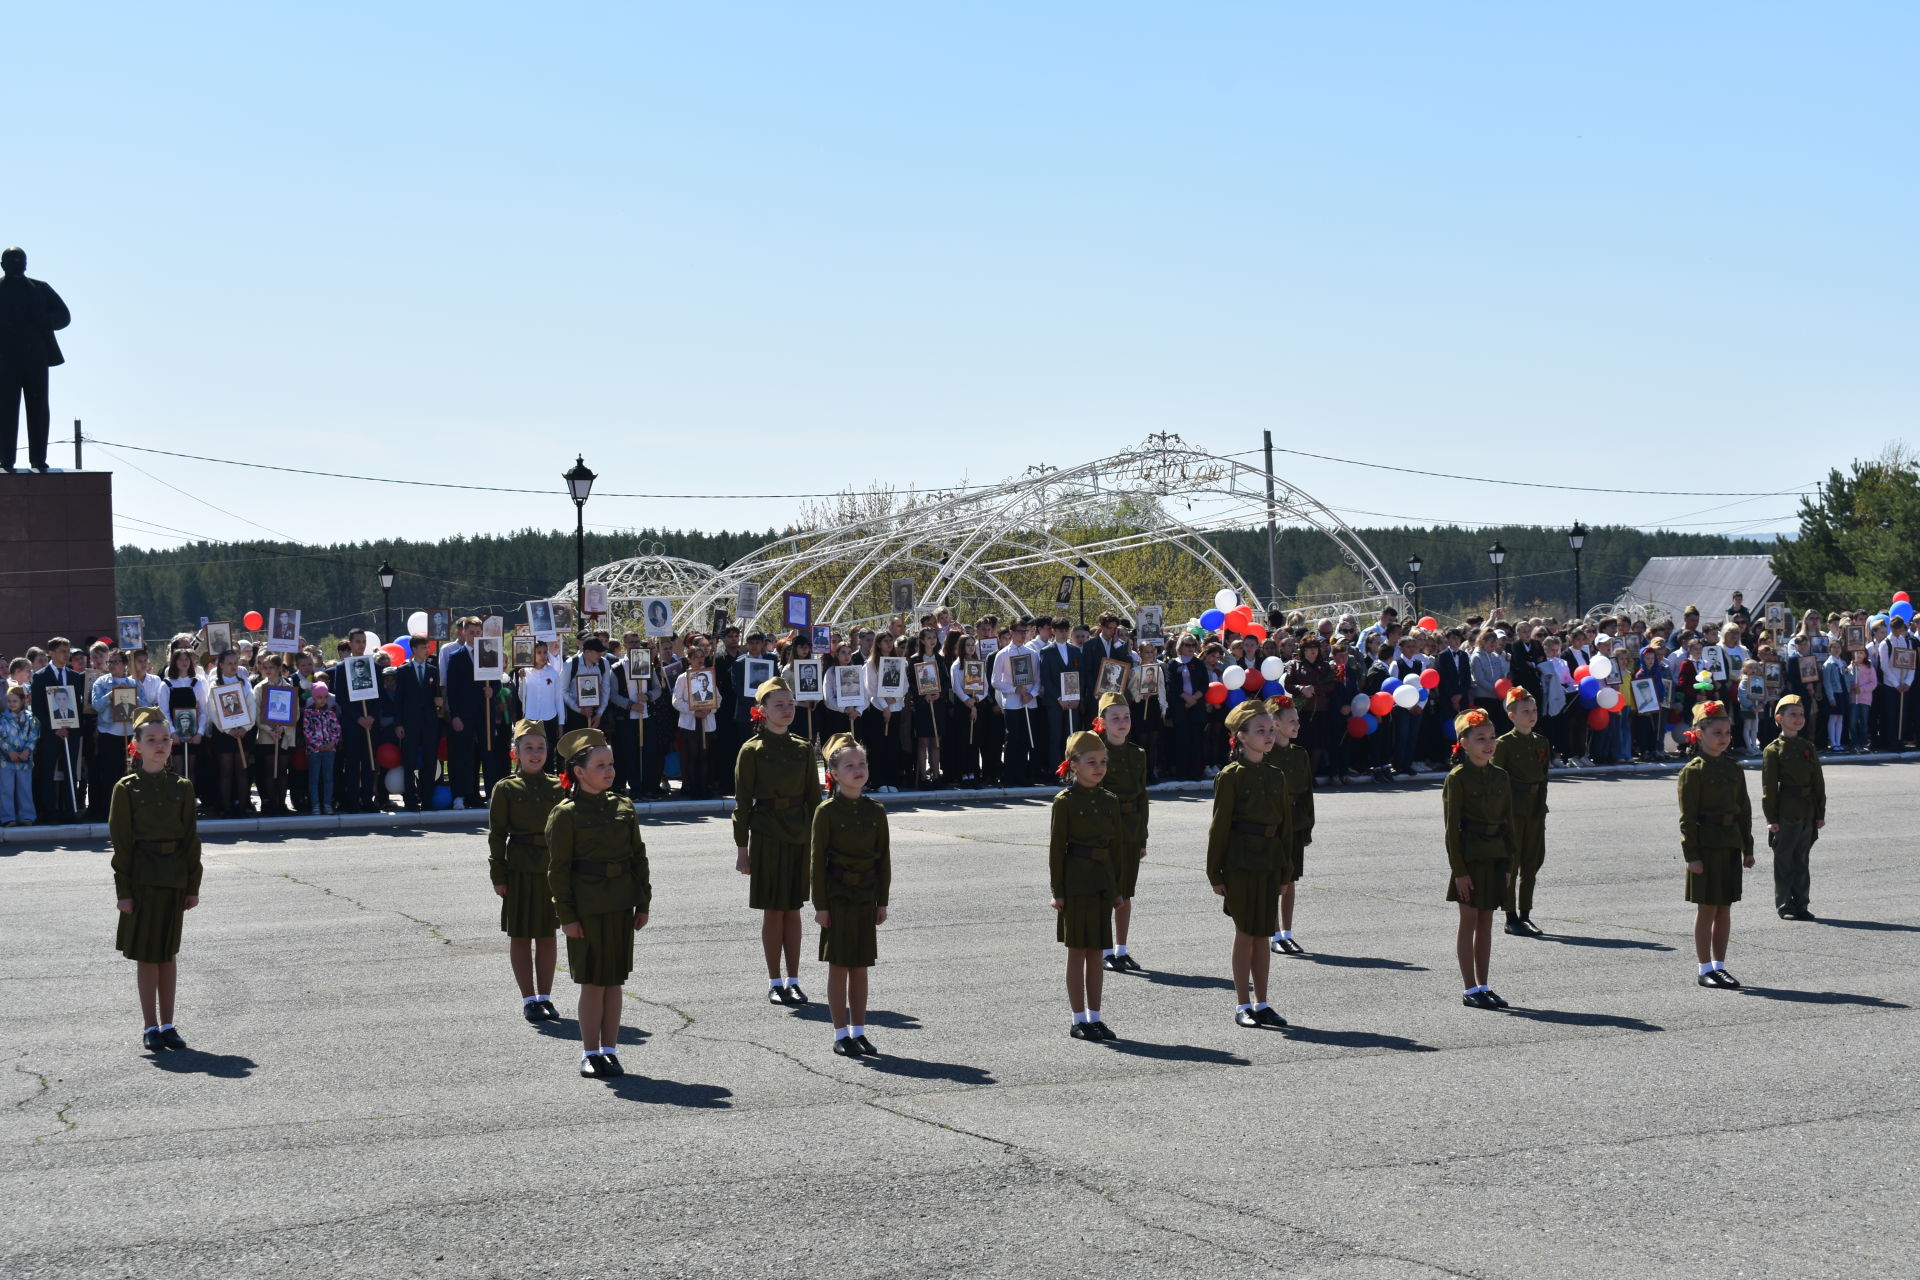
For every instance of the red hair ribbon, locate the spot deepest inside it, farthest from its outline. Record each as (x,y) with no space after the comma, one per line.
(1099,725)
(133,750)
(1692,737)
(1061,772)
(756,715)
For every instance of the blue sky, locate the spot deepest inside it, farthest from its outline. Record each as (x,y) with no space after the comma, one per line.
(773,248)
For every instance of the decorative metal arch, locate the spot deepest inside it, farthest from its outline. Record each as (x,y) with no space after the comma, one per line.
(651,572)
(1005,547)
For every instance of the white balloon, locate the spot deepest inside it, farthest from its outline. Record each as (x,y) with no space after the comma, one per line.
(1607,699)
(1360,705)
(417,623)
(373,643)
(1226,599)
(1233,677)
(1407,696)
(1600,665)
(1272,668)
(396,780)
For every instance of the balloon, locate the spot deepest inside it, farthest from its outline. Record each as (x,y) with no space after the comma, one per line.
(1601,665)
(1233,677)
(1407,696)
(395,654)
(1256,685)
(1226,598)
(1425,693)
(396,781)
(1597,719)
(1359,705)
(1590,687)
(1390,684)
(253,621)
(1429,623)
(387,756)
(1581,673)
(1904,611)
(1381,704)
(417,623)
(1273,668)
(1212,620)
(373,643)
(1501,686)
(1901,597)
(1216,694)
(1357,727)
(1448,731)
(1257,631)
(443,750)
(1236,696)
(442,797)
(1430,678)
(1607,699)
(1372,722)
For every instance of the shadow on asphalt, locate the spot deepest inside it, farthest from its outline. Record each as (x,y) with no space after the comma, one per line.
(192,1062)
(1176,1053)
(1608,944)
(569,1029)
(1357,1040)
(1821,997)
(1188,981)
(1561,1017)
(669,1093)
(921,1069)
(819,1012)
(1357,962)
(1877,926)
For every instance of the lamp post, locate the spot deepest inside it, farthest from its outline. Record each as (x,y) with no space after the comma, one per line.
(1497,556)
(579,486)
(386,591)
(1080,586)
(1577,538)
(1414,565)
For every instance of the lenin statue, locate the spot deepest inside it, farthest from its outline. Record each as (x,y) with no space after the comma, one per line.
(30,312)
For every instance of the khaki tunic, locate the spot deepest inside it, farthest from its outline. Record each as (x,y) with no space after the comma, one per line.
(1086,833)
(852,876)
(1793,787)
(517,814)
(1716,828)
(776,788)
(1296,766)
(156,860)
(1482,840)
(597,873)
(1126,780)
(1251,864)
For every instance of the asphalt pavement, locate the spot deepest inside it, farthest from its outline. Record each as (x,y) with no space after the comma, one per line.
(363,1098)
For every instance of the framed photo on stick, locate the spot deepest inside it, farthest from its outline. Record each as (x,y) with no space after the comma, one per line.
(822,636)
(746,599)
(186,723)
(1020,670)
(363,679)
(587,691)
(973,677)
(1146,681)
(703,695)
(1113,676)
(926,679)
(1809,668)
(658,613)
(596,598)
(132,633)
(1770,678)
(540,619)
(797,611)
(1069,686)
(640,666)
(439,624)
(279,707)
(807,685)
(759,671)
(902,591)
(1646,697)
(720,620)
(1856,637)
(1064,596)
(495,625)
(1713,659)
(1901,658)
(522,650)
(122,702)
(1150,623)
(846,686)
(893,677)
(63,706)
(488,663)
(283,631)
(231,709)
(219,637)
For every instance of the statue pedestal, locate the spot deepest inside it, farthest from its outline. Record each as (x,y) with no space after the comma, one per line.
(56,559)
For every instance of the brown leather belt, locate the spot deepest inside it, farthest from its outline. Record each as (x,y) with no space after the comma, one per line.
(1266,830)
(162,847)
(606,869)
(1096,852)
(779,802)
(1487,829)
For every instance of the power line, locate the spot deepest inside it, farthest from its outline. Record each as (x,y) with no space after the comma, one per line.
(1536,484)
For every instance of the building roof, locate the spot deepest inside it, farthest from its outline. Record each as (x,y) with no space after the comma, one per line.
(1672,583)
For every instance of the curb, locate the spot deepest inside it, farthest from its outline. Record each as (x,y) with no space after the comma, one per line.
(82,832)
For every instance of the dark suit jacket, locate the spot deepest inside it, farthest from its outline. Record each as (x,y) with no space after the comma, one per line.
(44,679)
(1091,656)
(414,689)
(1456,676)
(466,697)
(40,311)
(1052,667)
(1170,677)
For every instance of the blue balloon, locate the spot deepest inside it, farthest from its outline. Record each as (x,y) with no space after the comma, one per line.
(1212,619)
(1373,722)
(406,645)
(1903,609)
(1446,727)
(1424,693)
(1390,684)
(1236,696)
(1590,688)
(443,797)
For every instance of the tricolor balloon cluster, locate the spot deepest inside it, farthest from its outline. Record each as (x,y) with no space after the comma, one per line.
(1236,684)
(1901,608)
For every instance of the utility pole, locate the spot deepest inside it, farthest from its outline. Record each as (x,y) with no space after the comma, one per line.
(1273,553)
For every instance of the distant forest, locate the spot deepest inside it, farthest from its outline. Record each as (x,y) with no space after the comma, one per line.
(336,587)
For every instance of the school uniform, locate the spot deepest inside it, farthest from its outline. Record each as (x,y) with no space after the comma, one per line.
(359,782)
(1019,765)
(466,700)
(1086,832)
(1524,758)
(1716,828)
(776,788)
(1060,720)
(56,760)
(1248,844)
(416,695)
(1189,723)
(1126,780)
(851,877)
(1482,839)
(156,861)
(597,873)
(1295,764)
(1793,795)
(517,813)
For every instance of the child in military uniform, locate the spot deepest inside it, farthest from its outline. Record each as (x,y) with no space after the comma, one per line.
(1295,764)
(1793,796)
(602,893)
(517,813)
(1716,838)
(156,871)
(776,788)
(1085,837)
(1524,754)
(852,873)
(1482,847)
(1127,781)
(1247,845)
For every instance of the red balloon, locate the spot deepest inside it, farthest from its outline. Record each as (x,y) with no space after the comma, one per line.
(1899,596)
(443,749)
(1356,727)
(1430,679)
(1381,704)
(1216,694)
(387,756)
(253,621)
(1429,624)
(397,655)
(1597,718)
(1257,631)
(1581,673)
(1501,686)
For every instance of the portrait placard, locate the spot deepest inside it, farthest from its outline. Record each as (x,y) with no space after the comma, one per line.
(746,599)
(540,619)
(1771,677)
(1064,596)
(232,708)
(522,650)
(1713,659)
(797,611)
(902,591)
(1900,658)
(1776,616)
(439,624)
(495,625)
(822,636)
(363,679)
(987,646)
(640,667)
(973,677)
(1020,670)
(122,702)
(587,691)
(1149,622)
(926,679)
(1113,676)
(658,614)
(759,671)
(280,706)
(1646,697)
(806,680)
(1146,681)
(1809,669)
(283,631)
(63,706)
(563,619)
(1069,686)
(847,689)
(893,678)
(1856,637)
(721,618)
(489,657)
(219,637)
(186,723)
(132,632)
(596,599)
(703,694)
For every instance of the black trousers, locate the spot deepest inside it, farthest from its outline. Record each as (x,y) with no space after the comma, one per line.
(29,383)
(109,762)
(1018,767)
(462,776)
(53,802)
(1188,760)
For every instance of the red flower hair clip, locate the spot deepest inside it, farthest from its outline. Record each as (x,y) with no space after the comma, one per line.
(1713,710)
(133,751)
(1476,718)
(756,715)
(1692,737)
(1279,702)
(1099,725)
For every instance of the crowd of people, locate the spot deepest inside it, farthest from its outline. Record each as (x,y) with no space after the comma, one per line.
(987,704)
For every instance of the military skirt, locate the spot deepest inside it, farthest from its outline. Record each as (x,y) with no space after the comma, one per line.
(1296,860)
(777,878)
(1489,878)
(527,910)
(603,955)
(1086,921)
(1126,868)
(1718,884)
(151,935)
(852,940)
(1253,900)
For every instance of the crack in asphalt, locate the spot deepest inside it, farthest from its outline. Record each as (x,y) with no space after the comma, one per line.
(432,929)
(43,1085)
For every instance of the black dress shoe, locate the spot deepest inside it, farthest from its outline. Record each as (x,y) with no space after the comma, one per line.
(1727,979)
(150,1040)
(1245,1018)
(1102,1031)
(1493,999)
(846,1048)
(1706,979)
(535,1012)
(795,996)
(552,1014)
(1515,927)
(1477,1000)
(866,1047)
(1291,948)
(610,1065)
(1276,946)
(1084,1031)
(1804,914)
(170,1037)
(1269,1017)
(1129,964)
(1533,930)
(777,995)
(1112,964)
(590,1067)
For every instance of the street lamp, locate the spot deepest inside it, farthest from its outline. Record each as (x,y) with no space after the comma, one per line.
(1497,556)
(386,590)
(1081,587)
(1577,538)
(1414,565)
(579,486)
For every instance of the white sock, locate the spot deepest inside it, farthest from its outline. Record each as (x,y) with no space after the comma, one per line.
(165,1026)
(1093,1015)
(1258,1005)
(590,1053)
(1080,1015)
(1107,954)
(1286,935)
(858,1031)
(1120,950)
(1276,937)
(543,998)
(774,984)
(841,1033)
(1471,991)
(527,1000)
(1706,968)
(145,1030)
(1718,964)
(1242,1008)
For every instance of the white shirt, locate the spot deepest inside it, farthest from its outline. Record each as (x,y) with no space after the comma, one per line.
(540,693)
(870,683)
(1890,677)
(957,673)
(682,702)
(1012,698)
(834,703)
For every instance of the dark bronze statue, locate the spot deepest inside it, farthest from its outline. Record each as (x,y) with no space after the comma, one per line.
(30,312)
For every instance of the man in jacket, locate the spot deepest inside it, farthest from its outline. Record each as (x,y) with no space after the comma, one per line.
(30,312)
(416,718)
(466,701)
